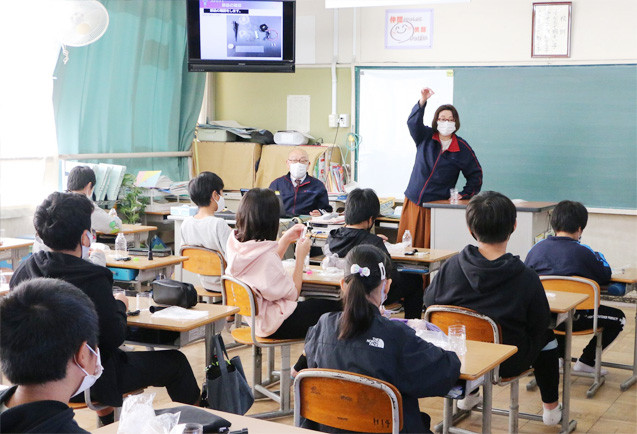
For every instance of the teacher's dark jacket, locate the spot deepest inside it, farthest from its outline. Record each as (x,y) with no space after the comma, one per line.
(310,195)
(435,172)
(389,351)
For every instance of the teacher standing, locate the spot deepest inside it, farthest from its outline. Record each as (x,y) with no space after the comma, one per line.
(440,157)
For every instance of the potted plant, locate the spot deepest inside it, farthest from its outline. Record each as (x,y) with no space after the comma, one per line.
(131,203)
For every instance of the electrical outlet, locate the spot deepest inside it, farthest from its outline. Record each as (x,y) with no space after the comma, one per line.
(333,120)
(343,120)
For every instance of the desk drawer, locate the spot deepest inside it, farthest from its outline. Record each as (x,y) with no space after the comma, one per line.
(123,273)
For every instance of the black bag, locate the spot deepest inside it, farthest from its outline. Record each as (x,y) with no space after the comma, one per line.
(174,293)
(226,386)
(211,422)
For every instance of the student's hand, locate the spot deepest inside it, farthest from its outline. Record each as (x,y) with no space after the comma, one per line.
(382,237)
(122,298)
(315,213)
(303,246)
(294,233)
(425,94)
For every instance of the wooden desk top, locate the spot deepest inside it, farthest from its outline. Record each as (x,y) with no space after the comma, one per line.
(431,255)
(562,302)
(254,426)
(317,277)
(481,357)
(387,220)
(149,321)
(164,212)
(521,206)
(142,262)
(131,229)
(628,276)
(14,243)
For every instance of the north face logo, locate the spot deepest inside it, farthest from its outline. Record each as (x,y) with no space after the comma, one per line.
(376,342)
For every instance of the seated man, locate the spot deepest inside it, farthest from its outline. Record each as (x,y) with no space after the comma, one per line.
(204,229)
(47,354)
(564,255)
(63,221)
(495,283)
(82,180)
(301,193)
(361,209)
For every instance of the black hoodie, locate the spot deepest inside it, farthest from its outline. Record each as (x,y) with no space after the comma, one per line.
(342,240)
(506,291)
(96,282)
(37,417)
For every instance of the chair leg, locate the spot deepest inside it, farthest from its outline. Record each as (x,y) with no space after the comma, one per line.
(285,378)
(257,362)
(514,407)
(531,385)
(598,379)
(271,357)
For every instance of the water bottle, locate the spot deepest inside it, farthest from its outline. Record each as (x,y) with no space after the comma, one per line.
(112,212)
(121,247)
(407,239)
(306,264)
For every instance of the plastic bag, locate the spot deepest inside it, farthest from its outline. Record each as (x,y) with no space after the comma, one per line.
(138,416)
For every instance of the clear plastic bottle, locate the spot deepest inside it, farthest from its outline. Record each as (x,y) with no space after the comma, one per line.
(407,239)
(112,212)
(121,247)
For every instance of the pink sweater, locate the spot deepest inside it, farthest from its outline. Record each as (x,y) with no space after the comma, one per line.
(258,264)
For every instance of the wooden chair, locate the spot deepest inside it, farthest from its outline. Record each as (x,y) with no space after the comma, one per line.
(205,262)
(96,406)
(481,328)
(347,401)
(582,285)
(239,294)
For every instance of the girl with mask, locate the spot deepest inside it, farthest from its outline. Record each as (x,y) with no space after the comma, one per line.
(440,157)
(362,341)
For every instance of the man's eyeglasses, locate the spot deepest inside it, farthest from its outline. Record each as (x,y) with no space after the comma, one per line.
(446,120)
(302,161)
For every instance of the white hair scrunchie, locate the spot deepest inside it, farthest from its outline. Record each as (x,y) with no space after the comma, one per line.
(362,271)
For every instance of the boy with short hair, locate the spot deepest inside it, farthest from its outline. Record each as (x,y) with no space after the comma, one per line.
(497,284)
(564,255)
(361,209)
(204,229)
(47,354)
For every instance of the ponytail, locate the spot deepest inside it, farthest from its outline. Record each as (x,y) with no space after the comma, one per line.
(368,266)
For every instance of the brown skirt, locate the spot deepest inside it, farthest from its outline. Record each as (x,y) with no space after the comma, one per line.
(418,220)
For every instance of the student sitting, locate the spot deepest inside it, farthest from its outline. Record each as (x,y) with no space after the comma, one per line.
(495,283)
(564,255)
(254,257)
(63,221)
(361,209)
(362,341)
(204,229)
(301,193)
(82,180)
(48,354)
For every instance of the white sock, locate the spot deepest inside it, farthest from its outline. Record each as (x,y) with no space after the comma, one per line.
(583,367)
(552,417)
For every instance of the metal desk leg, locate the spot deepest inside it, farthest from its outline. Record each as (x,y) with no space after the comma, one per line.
(447,415)
(137,239)
(487,402)
(626,384)
(15,258)
(567,424)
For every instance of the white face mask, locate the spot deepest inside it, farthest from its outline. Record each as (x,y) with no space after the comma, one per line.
(383,294)
(85,250)
(298,170)
(89,379)
(221,203)
(446,128)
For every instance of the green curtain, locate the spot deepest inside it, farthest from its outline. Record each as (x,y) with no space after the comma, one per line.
(130,91)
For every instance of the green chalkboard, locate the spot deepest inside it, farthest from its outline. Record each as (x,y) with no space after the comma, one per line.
(548,133)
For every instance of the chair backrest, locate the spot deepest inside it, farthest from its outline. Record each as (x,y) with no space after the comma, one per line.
(580,285)
(347,401)
(237,293)
(205,262)
(479,327)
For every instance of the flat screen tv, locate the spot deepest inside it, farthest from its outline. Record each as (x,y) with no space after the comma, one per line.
(241,36)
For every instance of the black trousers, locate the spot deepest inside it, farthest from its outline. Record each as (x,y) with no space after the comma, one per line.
(306,314)
(409,287)
(610,318)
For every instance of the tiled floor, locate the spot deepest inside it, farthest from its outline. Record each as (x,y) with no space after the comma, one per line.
(610,411)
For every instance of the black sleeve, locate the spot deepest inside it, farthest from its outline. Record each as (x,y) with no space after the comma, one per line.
(322,200)
(430,291)
(112,316)
(538,315)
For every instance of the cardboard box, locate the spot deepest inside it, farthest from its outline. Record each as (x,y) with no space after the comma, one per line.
(273,161)
(234,162)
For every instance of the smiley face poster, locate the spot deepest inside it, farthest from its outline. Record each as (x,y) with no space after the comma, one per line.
(411,28)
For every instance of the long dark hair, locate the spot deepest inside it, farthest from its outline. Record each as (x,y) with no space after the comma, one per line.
(258,216)
(358,312)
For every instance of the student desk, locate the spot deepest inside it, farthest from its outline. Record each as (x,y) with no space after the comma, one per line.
(14,246)
(135,230)
(449,227)
(253,425)
(629,277)
(189,329)
(147,270)
(427,260)
(320,284)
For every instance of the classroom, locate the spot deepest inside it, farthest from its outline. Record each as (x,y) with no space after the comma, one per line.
(539,128)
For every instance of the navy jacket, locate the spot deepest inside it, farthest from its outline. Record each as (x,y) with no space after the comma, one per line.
(435,172)
(564,256)
(308,196)
(37,417)
(390,351)
(505,291)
